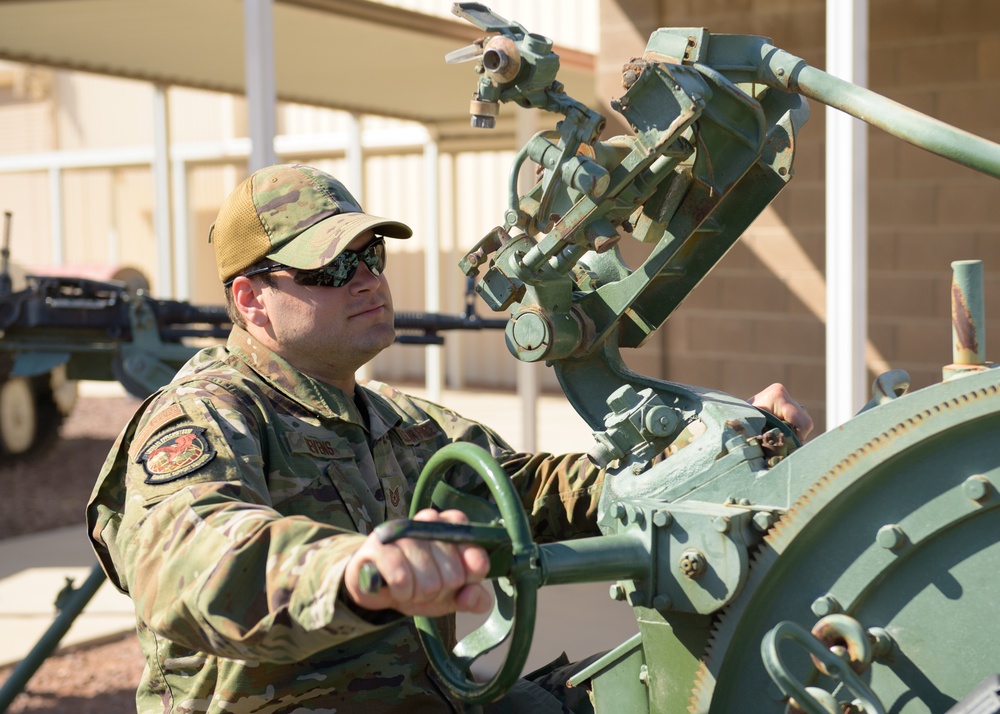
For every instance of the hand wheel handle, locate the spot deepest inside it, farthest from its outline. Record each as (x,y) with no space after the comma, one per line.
(514,612)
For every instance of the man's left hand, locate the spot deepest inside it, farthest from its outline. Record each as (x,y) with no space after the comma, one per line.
(776,400)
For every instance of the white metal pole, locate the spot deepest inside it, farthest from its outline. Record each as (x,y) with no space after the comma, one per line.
(161,192)
(355,156)
(56,216)
(846,217)
(258,51)
(354,153)
(182,237)
(432,259)
(527,372)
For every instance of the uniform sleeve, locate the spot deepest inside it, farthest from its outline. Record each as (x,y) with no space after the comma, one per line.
(207,560)
(560,493)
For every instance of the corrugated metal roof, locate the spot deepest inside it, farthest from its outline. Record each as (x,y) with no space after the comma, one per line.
(347,54)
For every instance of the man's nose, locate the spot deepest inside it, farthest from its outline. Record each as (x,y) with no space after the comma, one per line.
(363,278)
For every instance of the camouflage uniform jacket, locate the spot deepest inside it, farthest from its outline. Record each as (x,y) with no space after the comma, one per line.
(229,506)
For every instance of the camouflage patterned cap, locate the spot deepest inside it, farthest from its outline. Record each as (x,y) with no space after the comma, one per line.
(295,215)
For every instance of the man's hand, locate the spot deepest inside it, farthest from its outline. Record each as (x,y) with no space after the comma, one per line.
(778,401)
(423,577)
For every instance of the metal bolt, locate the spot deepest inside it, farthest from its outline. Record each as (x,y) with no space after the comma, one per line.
(662,519)
(621,513)
(622,399)
(882,641)
(762,520)
(644,675)
(826,605)
(721,524)
(662,603)
(639,518)
(891,537)
(693,563)
(976,487)
(617,591)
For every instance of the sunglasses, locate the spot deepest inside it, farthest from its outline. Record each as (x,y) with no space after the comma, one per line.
(339,271)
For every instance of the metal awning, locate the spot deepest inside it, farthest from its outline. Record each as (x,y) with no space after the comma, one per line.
(354,55)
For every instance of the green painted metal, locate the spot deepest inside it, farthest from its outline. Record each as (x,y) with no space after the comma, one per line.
(513,615)
(71,603)
(757,548)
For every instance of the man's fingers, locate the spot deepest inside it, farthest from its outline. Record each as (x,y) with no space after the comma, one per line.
(776,400)
(425,577)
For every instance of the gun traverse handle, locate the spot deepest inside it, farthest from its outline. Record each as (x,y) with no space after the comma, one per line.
(485,536)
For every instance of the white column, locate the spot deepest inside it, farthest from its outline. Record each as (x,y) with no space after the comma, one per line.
(182,234)
(355,180)
(354,154)
(527,372)
(164,286)
(56,216)
(846,217)
(432,259)
(258,51)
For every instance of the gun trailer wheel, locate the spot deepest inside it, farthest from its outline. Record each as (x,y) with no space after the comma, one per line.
(18,416)
(31,410)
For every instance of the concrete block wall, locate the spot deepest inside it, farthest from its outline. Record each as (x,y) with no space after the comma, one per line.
(759,316)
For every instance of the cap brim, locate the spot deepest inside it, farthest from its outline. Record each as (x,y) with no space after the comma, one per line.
(319,244)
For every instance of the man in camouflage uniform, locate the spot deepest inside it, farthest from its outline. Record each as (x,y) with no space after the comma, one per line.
(238,505)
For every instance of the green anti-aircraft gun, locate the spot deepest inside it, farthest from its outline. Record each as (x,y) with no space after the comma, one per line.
(857,573)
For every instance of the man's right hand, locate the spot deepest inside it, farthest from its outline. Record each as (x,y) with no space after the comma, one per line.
(423,577)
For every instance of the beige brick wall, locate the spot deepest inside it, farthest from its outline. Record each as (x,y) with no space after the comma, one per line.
(759,316)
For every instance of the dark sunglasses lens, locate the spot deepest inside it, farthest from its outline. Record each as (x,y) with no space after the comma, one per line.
(339,271)
(374,257)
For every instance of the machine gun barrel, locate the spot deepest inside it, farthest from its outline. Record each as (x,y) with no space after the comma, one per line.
(430,323)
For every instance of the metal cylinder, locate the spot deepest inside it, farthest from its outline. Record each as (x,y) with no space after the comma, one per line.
(967,313)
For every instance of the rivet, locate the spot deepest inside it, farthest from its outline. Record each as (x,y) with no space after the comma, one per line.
(826,605)
(620,513)
(891,537)
(763,520)
(662,519)
(881,640)
(976,487)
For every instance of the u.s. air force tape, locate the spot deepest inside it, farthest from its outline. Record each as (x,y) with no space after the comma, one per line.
(175,454)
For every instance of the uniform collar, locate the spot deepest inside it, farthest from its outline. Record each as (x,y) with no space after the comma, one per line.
(322,399)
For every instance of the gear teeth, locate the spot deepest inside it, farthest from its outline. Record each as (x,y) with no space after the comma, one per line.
(780,535)
(703,685)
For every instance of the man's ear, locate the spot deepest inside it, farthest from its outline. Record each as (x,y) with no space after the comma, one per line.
(249,301)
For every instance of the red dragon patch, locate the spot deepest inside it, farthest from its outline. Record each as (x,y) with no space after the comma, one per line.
(176,454)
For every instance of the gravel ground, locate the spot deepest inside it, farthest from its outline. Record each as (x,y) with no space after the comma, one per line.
(50,490)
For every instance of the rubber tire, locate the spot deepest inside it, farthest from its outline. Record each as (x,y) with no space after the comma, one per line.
(29,416)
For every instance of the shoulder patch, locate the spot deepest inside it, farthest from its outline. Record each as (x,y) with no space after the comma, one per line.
(418,433)
(159,420)
(175,454)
